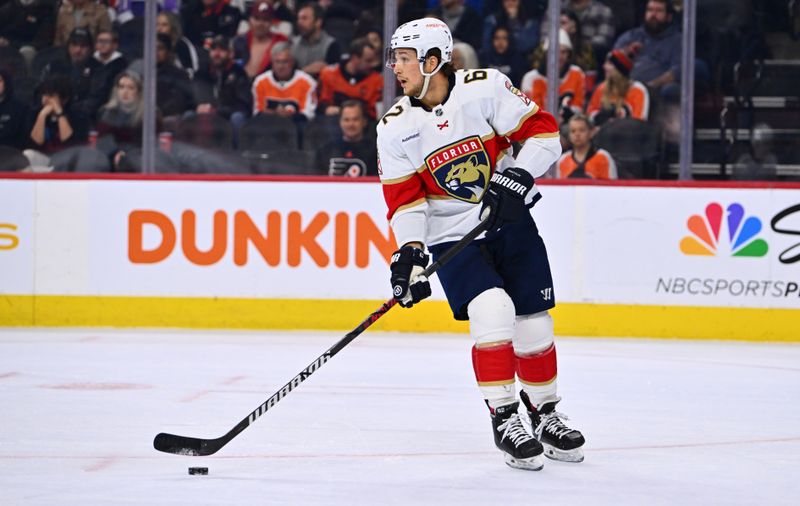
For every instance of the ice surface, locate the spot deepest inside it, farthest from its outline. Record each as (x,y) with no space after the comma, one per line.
(393,419)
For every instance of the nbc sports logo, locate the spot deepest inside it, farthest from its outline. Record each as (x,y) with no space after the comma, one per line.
(735,235)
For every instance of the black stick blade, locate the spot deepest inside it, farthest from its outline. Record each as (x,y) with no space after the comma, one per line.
(182,445)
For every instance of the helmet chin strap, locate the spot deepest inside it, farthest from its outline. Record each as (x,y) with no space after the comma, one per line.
(427,79)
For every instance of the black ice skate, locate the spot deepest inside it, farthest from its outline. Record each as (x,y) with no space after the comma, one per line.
(519,448)
(559,441)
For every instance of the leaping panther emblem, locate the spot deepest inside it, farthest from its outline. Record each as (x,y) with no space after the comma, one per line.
(462,169)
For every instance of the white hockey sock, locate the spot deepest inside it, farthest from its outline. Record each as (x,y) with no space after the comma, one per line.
(499,395)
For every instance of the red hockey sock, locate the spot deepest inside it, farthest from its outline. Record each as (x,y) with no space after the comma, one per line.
(538,369)
(494,365)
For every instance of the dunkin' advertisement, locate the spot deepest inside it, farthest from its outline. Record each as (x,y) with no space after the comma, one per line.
(724,247)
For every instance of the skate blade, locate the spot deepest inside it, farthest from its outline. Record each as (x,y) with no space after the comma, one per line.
(530,464)
(551,452)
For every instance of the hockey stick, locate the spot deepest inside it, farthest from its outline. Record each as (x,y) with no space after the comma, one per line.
(182,445)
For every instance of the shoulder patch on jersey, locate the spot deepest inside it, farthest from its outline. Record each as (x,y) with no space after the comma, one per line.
(461,169)
(510,87)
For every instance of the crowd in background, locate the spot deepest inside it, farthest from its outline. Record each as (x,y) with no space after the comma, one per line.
(286,86)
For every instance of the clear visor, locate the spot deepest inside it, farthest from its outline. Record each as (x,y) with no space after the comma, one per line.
(405,56)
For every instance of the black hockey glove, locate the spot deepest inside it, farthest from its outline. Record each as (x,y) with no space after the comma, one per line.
(408,286)
(505,197)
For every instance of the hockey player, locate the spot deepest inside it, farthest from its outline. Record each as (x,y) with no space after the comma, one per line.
(444,155)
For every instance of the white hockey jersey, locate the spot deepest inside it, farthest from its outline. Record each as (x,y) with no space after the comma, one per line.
(435,165)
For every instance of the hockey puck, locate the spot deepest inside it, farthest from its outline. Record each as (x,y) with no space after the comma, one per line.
(198,470)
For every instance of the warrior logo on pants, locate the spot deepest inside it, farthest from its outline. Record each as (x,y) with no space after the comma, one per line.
(461,169)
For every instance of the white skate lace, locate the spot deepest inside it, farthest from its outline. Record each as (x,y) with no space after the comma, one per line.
(514,430)
(551,422)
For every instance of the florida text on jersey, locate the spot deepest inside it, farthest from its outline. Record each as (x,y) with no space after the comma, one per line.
(436,164)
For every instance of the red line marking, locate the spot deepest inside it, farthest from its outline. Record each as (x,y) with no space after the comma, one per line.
(692,361)
(233,379)
(184,177)
(103,463)
(195,396)
(97,386)
(107,461)
(589,450)
(696,445)
(201,393)
(8,375)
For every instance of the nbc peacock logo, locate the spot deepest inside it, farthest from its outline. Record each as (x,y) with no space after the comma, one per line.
(735,235)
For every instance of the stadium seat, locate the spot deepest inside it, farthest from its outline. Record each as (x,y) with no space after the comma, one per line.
(635,146)
(80,159)
(206,130)
(11,60)
(340,29)
(44,58)
(319,131)
(264,133)
(285,162)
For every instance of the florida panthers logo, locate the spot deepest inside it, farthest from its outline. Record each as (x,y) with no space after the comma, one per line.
(461,169)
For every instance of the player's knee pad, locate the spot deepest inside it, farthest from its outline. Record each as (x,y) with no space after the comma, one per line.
(491,317)
(534,333)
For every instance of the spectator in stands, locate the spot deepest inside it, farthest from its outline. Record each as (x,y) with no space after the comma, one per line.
(89,82)
(27,25)
(13,115)
(204,19)
(187,56)
(464,56)
(374,36)
(585,160)
(119,124)
(223,88)
(254,48)
(582,53)
(657,44)
(503,55)
(354,77)
(597,23)
(105,52)
(313,47)
(618,96)
(285,90)
(524,28)
(354,154)
(88,14)
(464,22)
(283,22)
(571,90)
(56,125)
(173,88)
(759,163)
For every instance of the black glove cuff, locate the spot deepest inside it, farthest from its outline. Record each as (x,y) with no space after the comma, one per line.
(514,180)
(410,256)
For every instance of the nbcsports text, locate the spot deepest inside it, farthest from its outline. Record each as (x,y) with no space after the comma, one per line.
(733,287)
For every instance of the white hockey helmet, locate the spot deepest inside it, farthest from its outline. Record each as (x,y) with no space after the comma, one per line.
(422,35)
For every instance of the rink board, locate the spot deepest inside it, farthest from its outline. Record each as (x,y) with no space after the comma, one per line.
(672,261)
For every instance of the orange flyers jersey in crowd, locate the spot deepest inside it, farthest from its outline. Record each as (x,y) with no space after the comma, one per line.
(435,165)
(299,91)
(573,85)
(335,87)
(597,165)
(636,104)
